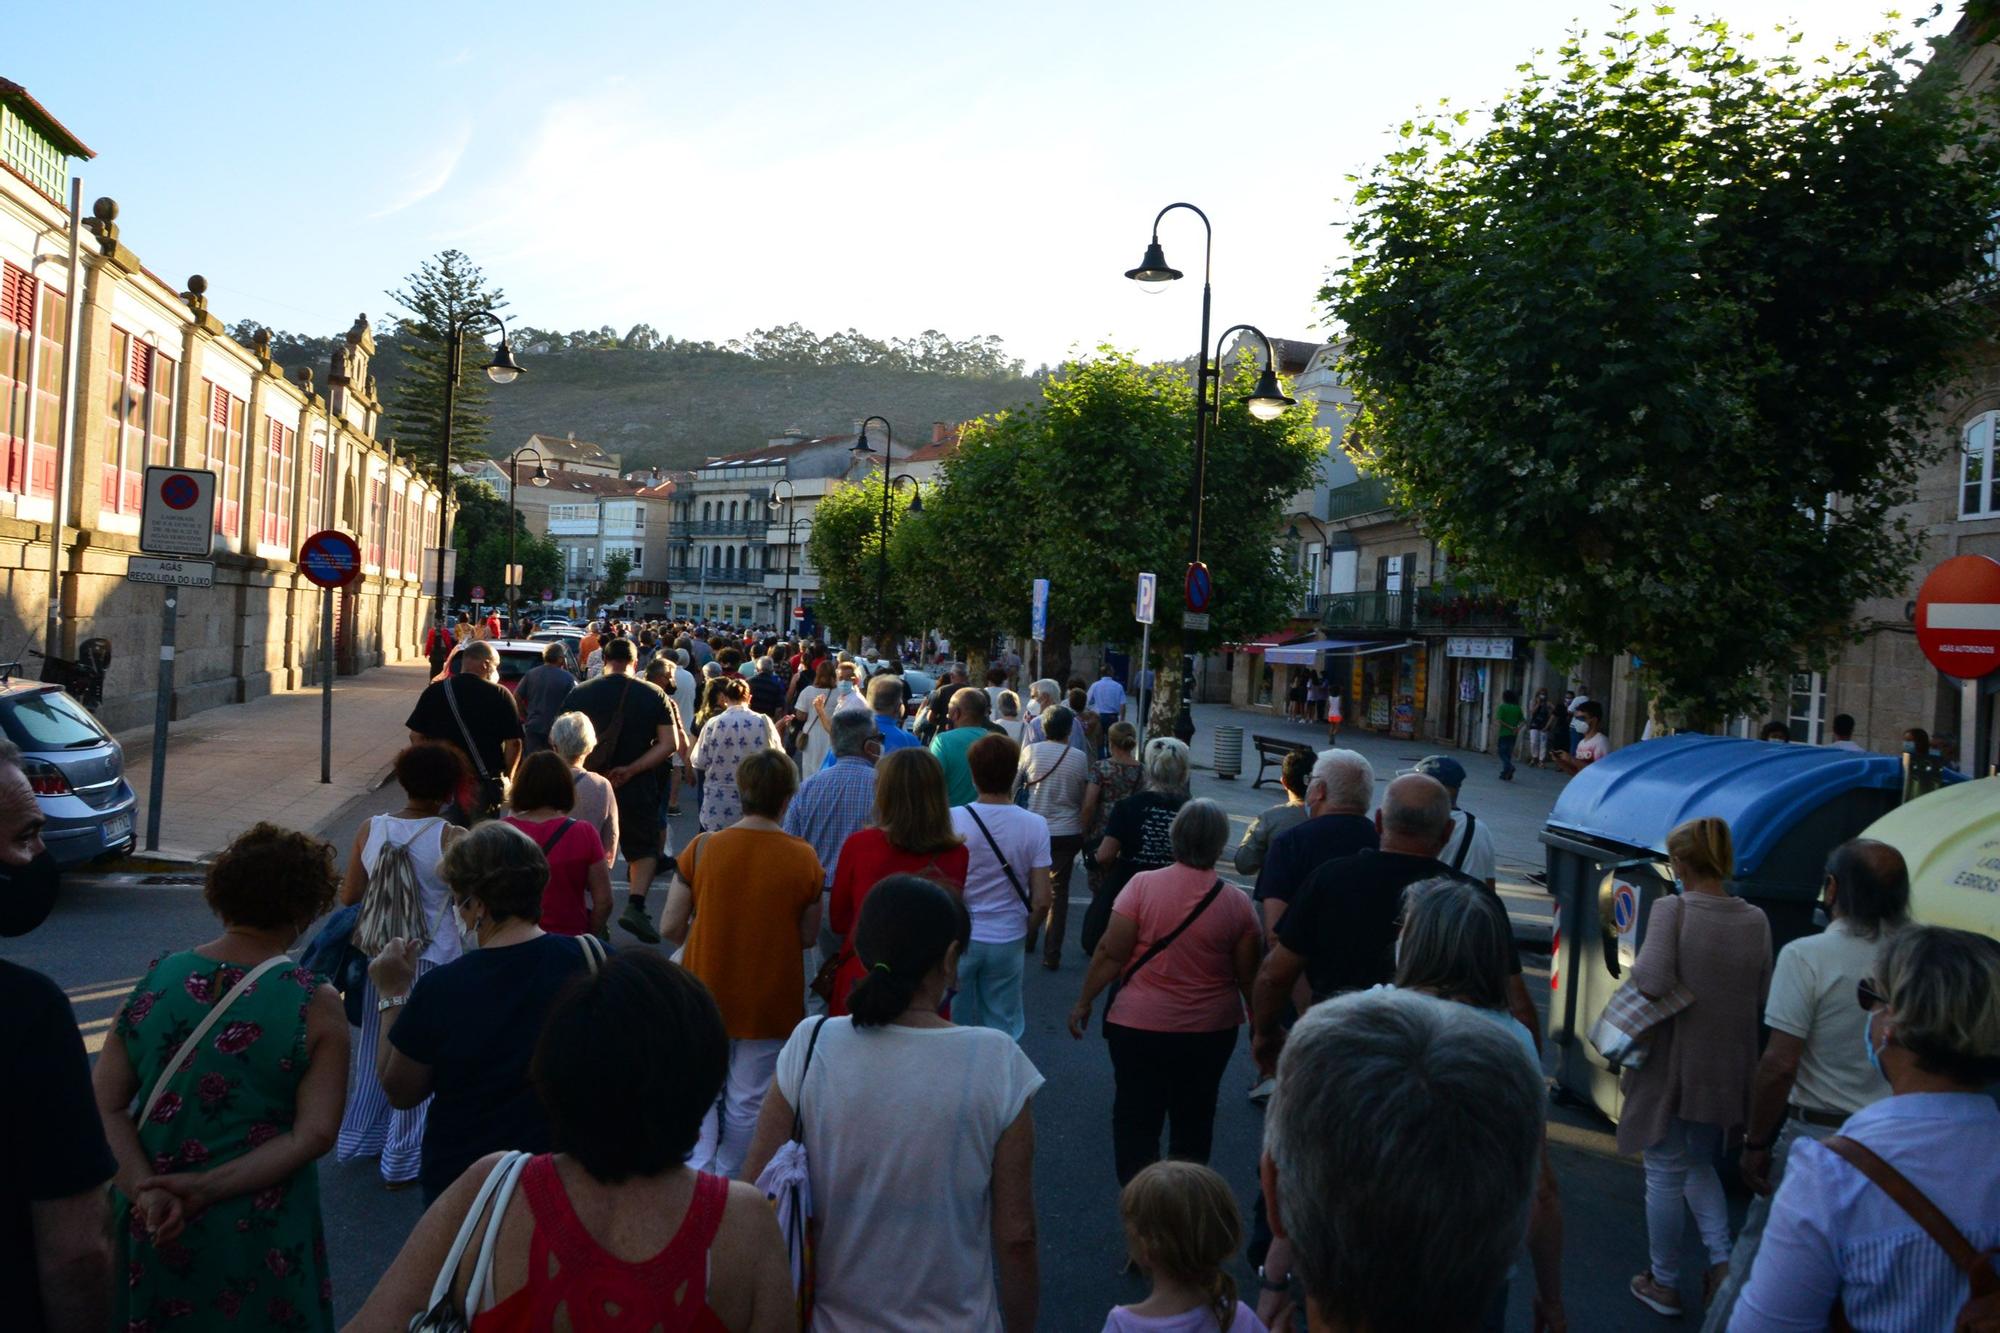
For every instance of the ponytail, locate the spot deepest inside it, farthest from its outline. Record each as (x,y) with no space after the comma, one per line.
(1220,1288)
(907,925)
(1181,1221)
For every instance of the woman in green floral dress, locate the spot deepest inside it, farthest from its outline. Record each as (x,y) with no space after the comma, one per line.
(217,1198)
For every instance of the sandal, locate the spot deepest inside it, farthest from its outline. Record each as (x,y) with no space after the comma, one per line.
(1660,1300)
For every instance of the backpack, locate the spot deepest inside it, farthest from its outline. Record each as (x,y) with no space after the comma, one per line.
(392,906)
(1981,1311)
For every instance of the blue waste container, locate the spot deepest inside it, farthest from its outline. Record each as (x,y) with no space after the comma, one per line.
(1787,806)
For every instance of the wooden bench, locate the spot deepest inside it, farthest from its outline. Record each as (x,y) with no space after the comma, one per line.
(1271,750)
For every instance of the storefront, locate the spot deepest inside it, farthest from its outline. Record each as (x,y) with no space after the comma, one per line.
(1478,669)
(1387,686)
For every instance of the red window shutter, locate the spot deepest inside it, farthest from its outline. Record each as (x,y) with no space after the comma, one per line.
(17,297)
(218,403)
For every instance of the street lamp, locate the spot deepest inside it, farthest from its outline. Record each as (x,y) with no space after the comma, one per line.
(1266,402)
(792,524)
(503,369)
(863,449)
(541,478)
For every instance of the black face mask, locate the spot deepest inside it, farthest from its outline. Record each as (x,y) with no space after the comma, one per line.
(28,894)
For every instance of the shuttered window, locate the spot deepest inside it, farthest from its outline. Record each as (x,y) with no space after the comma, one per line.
(34,323)
(223,450)
(280,459)
(138,420)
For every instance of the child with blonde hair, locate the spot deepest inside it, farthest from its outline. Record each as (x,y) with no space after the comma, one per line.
(1181,1227)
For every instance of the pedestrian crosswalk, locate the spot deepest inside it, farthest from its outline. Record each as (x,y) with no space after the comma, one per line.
(96,1004)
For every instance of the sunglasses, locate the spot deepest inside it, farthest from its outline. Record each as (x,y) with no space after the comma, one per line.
(1867,996)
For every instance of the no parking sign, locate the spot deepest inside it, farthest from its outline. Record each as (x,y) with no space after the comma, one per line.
(1624,907)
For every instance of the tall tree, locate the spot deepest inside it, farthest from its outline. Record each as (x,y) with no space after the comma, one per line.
(845,546)
(617,568)
(480,535)
(1652,345)
(440,292)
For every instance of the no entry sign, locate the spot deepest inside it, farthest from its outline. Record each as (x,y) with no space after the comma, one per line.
(329,558)
(1958,617)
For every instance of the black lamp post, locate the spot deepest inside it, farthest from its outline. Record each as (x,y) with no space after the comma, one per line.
(863,449)
(791,535)
(541,478)
(1266,402)
(503,369)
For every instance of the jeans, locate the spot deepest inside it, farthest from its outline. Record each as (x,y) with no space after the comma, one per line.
(726,1129)
(1681,1167)
(1164,1079)
(1751,1238)
(1062,860)
(1506,748)
(989,988)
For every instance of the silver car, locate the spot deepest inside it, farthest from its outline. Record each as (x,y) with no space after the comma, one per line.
(76,768)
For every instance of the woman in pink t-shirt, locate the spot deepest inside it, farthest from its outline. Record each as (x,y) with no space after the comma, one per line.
(578,896)
(1183,945)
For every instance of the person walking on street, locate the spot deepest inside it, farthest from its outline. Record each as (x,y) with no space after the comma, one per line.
(1182,948)
(1591,747)
(1469,849)
(1338,793)
(572,738)
(728,737)
(541,696)
(1106,699)
(950,746)
(1054,778)
(1507,720)
(1294,775)
(815,720)
(1814,1072)
(638,731)
(577,900)
(469,711)
(1694,1088)
(1840,1240)
(428,775)
(217,1170)
(932,1226)
(1137,836)
(767,690)
(1006,886)
(744,906)
(885,703)
(1539,713)
(832,805)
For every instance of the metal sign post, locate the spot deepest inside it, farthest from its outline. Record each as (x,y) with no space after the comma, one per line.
(332,559)
(1142,611)
(178,519)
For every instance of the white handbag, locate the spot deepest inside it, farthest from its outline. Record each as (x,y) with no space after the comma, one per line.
(443,1315)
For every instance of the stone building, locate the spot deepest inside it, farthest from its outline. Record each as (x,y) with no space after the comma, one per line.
(145,376)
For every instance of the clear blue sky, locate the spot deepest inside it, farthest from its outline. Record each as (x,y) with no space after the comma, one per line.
(710,168)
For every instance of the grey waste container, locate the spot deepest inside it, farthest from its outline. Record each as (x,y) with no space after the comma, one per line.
(1228,751)
(1787,806)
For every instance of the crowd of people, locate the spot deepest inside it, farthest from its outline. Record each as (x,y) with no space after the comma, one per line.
(838,964)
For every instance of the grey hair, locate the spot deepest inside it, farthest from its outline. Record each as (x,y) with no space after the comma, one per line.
(885,694)
(1405,1133)
(1348,777)
(766,664)
(1056,723)
(1456,943)
(1010,704)
(572,736)
(1166,765)
(1046,690)
(852,729)
(973,700)
(1200,831)
(479,650)
(1417,807)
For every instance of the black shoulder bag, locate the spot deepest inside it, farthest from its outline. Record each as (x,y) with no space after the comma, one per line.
(1159,946)
(492,787)
(1012,878)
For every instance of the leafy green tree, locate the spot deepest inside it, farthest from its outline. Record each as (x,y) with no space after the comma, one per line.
(1651,347)
(617,568)
(480,534)
(441,291)
(845,546)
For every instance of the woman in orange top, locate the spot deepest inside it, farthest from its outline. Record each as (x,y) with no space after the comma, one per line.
(911,835)
(745,903)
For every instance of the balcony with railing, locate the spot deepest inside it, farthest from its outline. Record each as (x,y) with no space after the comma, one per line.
(1365,496)
(1446,607)
(1367,610)
(754,528)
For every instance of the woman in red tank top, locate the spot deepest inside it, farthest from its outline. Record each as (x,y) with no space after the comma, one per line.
(612,1233)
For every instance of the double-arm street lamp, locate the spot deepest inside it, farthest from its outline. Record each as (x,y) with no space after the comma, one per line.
(862,449)
(1266,402)
(503,369)
(792,525)
(512,575)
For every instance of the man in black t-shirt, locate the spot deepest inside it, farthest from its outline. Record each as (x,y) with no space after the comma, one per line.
(485,715)
(55,1255)
(1338,794)
(638,729)
(1340,930)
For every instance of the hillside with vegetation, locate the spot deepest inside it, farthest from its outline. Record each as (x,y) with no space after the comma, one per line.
(672,403)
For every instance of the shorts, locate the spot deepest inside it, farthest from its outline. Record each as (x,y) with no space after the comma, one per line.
(639,817)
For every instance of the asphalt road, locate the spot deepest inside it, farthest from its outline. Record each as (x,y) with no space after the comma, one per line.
(103,935)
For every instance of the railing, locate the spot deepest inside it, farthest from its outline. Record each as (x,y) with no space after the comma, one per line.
(1366,610)
(724,527)
(1308,606)
(1449,606)
(1357,497)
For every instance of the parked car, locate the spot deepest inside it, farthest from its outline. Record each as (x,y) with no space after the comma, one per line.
(570,639)
(76,768)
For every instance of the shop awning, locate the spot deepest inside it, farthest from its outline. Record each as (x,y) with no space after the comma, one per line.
(1308,654)
(1265,643)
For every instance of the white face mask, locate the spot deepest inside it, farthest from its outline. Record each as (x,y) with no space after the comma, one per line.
(468,936)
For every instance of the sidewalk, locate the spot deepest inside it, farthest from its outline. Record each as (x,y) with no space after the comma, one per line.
(1513,811)
(229,767)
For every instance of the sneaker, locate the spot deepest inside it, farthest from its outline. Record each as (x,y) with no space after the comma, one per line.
(634,920)
(1261,1093)
(1659,1299)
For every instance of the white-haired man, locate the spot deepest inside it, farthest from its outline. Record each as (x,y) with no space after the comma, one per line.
(1337,797)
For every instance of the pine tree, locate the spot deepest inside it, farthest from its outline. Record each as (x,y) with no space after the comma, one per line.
(441,291)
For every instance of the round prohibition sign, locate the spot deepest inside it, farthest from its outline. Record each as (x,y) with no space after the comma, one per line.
(1624,907)
(179,491)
